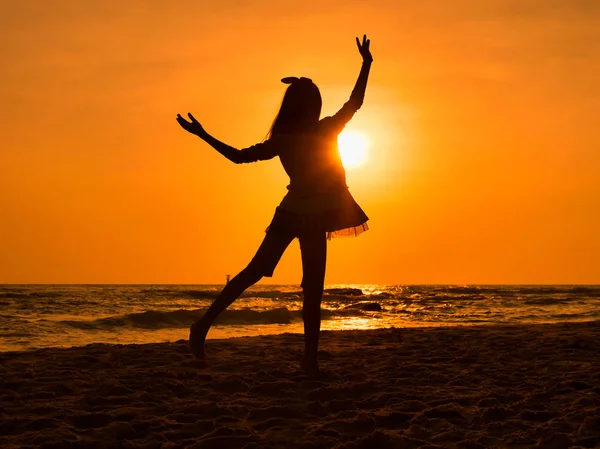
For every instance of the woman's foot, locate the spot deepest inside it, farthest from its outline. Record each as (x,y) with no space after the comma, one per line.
(197,337)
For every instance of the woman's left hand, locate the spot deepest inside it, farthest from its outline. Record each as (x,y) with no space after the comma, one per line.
(364,49)
(193,126)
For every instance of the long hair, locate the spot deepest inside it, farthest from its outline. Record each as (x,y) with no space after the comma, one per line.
(300,108)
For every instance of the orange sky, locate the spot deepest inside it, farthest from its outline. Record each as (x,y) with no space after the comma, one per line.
(484,162)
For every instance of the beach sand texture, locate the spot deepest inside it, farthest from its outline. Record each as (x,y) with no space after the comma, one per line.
(454,387)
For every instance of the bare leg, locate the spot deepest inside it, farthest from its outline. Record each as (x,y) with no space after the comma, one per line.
(314,254)
(263,264)
(232,291)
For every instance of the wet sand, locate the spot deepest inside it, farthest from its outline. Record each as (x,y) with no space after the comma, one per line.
(455,387)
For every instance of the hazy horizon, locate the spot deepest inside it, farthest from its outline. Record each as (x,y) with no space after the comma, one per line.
(327,285)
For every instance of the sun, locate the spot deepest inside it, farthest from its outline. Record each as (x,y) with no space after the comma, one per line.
(354,148)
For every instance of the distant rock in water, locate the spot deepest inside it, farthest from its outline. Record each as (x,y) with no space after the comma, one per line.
(344,291)
(366,306)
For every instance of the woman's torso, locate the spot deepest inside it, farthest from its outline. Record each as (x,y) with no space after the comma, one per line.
(317,176)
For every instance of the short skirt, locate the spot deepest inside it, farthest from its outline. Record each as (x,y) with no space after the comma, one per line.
(347,221)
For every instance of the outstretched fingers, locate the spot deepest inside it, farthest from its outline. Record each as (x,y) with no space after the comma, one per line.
(363,48)
(365,43)
(180,119)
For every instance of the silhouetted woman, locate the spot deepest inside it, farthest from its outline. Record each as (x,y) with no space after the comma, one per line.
(317,207)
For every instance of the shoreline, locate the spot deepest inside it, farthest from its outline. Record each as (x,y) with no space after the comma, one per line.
(220,332)
(458,386)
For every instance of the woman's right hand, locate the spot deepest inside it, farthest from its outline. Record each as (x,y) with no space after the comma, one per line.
(192,126)
(364,49)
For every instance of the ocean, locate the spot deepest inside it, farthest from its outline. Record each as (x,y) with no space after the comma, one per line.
(40,316)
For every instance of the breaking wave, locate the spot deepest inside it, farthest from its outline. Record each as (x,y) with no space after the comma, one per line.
(155,319)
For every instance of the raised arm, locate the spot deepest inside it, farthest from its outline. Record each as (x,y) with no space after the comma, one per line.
(259,152)
(358,93)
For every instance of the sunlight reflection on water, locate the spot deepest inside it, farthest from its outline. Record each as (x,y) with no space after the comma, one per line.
(35,316)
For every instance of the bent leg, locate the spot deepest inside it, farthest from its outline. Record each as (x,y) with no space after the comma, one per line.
(313,247)
(263,264)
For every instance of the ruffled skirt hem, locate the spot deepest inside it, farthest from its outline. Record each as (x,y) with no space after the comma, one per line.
(350,221)
(353,231)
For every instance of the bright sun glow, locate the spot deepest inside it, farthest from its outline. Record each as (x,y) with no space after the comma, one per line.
(353,148)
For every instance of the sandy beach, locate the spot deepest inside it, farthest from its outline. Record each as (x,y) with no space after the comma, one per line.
(453,387)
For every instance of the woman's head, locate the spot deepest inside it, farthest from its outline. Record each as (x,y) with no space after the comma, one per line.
(300,108)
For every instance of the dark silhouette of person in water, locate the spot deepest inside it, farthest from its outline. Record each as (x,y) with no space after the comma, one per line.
(317,207)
